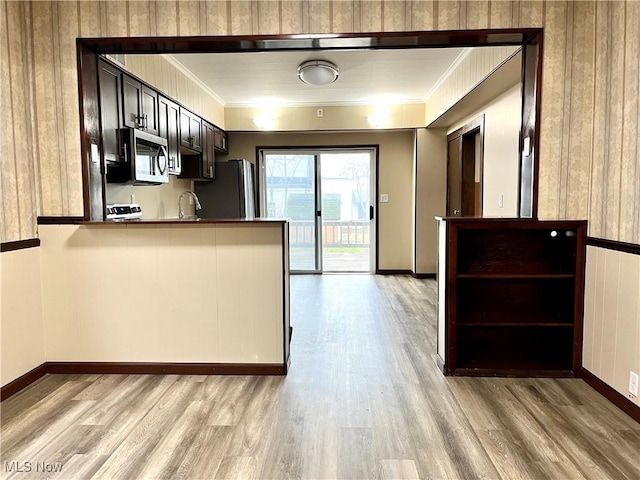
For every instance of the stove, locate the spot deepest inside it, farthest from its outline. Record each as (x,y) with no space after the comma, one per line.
(124,211)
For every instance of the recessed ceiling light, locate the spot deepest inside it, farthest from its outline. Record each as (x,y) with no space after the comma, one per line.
(318,72)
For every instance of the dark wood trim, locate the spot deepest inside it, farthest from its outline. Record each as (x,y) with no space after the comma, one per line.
(529,38)
(632,248)
(529,171)
(19,245)
(393,272)
(424,275)
(144,368)
(476,123)
(578,305)
(257,43)
(615,397)
(512,373)
(60,220)
(22,382)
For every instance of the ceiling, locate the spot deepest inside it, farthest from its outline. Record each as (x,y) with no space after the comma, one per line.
(366,76)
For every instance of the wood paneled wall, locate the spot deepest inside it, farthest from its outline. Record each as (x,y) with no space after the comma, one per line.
(612,317)
(589,159)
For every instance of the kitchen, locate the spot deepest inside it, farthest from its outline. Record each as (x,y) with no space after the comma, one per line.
(67,138)
(218,341)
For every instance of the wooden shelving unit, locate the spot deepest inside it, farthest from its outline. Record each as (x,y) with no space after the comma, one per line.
(512,293)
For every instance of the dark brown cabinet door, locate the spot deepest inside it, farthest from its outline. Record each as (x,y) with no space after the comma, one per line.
(131,102)
(139,105)
(190,130)
(208,151)
(149,102)
(168,128)
(110,84)
(220,140)
(195,128)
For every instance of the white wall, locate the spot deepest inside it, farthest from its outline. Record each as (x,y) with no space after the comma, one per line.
(501,156)
(611,347)
(21,328)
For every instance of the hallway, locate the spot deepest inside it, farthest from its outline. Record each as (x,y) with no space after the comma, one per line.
(363,399)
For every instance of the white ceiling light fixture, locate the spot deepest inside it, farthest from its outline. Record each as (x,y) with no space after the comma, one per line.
(318,72)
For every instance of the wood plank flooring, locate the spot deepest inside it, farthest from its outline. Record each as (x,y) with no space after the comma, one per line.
(363,399)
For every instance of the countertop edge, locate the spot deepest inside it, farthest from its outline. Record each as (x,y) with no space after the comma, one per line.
(241,221)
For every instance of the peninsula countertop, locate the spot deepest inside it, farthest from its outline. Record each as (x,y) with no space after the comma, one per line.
(187,221)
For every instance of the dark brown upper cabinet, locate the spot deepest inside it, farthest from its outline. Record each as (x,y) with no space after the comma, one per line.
(139,105)
(169,128)
(190,130)
(201,166)
(220,140)
(110,81)
(208,151)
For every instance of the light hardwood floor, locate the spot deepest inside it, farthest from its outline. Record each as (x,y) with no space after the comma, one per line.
(363,399)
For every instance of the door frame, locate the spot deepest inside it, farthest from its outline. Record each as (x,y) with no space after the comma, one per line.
(531,39)
(374,252)
(467,147)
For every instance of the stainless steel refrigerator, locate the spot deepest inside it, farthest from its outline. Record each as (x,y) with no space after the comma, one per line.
(231,194)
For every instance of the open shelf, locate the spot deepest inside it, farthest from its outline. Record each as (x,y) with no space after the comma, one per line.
(513,297)
(546,251)
(524,348)
(515,276)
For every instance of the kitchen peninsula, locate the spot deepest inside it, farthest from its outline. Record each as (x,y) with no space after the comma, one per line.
(163,296)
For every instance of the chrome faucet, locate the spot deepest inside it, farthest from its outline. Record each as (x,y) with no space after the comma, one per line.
(195,199)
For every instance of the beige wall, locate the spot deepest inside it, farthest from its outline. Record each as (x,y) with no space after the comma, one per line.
(473,68)
(501,159)
(155,201)
(430,195)
(159,71)
(21,333)
(395,179)
(353,117)
(589,100)
(185,295)
(612,317)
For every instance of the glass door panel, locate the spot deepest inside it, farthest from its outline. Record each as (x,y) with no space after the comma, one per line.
(289,191)
(346,182)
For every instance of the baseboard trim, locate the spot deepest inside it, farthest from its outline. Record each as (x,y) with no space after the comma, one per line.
(70,368)
(143,368)
(394,272)
(615,397)
(22,382)
(423,276)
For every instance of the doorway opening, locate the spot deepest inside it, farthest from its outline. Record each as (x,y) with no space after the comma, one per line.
(328,196)
(465,157)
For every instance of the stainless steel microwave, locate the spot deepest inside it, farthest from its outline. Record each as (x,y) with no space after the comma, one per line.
(146,154)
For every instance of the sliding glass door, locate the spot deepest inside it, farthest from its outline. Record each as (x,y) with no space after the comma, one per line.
(328,196)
